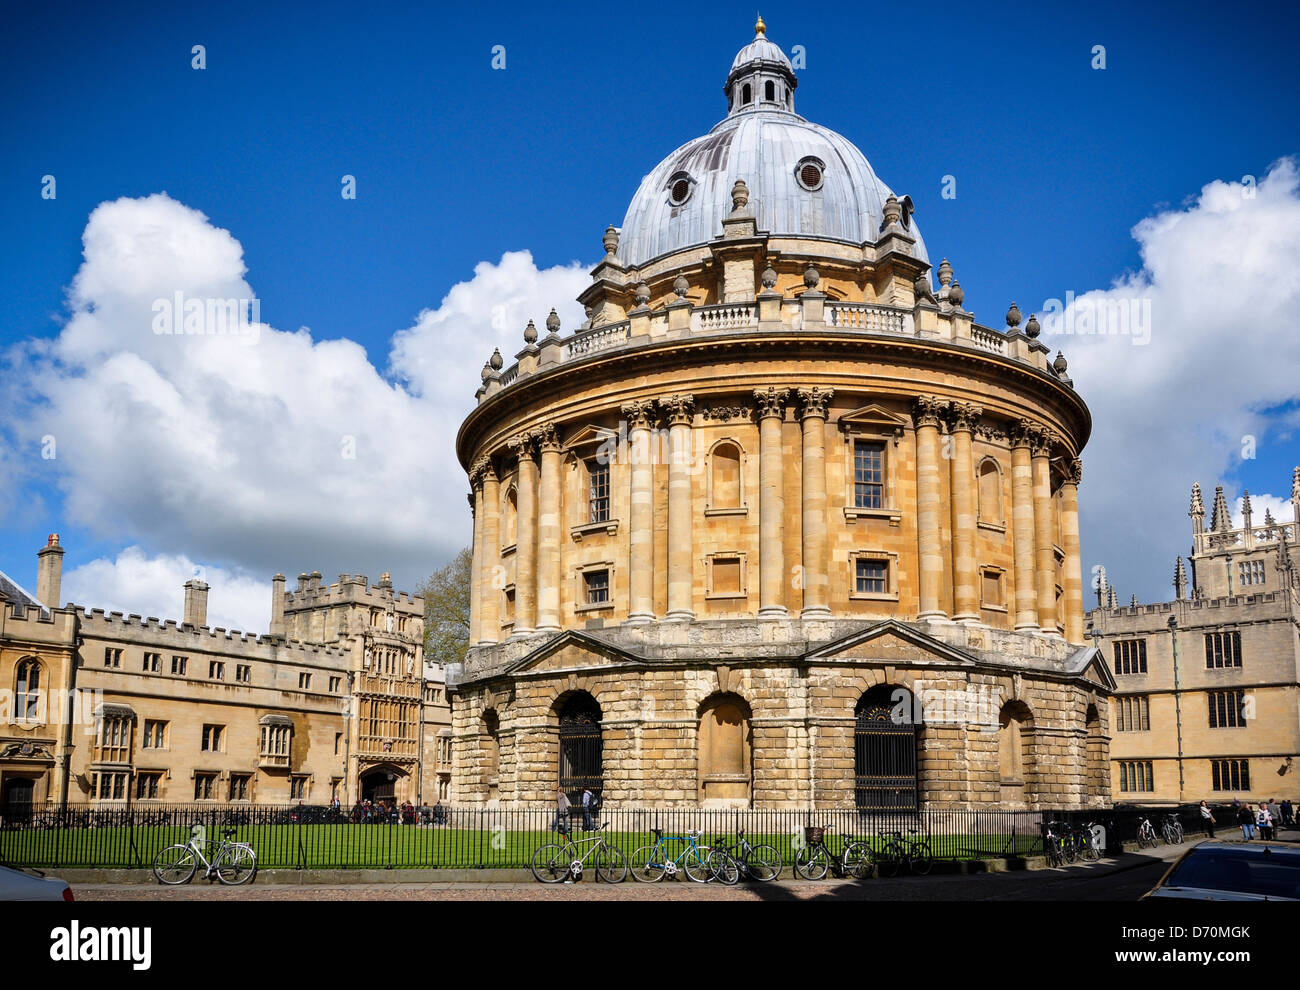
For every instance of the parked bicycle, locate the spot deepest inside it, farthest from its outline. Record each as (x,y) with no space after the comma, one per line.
(762,863)
(897,852)
(1147,835)
(233,862)
(556,862)
(815,859)
(652,863)
(1172,830)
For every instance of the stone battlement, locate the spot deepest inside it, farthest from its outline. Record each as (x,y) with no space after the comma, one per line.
(168,632)
(349,589)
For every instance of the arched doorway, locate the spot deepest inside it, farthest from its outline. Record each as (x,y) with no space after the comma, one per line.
(885,739)
(581,745)
(16,798)
(1015,723)
(724,748)
(380,784)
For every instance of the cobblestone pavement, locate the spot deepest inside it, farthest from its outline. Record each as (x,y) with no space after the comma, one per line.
(1125,879)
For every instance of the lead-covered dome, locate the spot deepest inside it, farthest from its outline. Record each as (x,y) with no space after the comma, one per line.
(804,180)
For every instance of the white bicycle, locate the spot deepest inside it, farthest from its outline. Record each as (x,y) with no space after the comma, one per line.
(233,862)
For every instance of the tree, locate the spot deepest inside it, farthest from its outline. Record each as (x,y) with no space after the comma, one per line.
(446,610)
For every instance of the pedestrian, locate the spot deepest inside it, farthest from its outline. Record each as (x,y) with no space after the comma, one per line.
(1246,819)
(1275,812)
(561,823)
(1288,813)
(1207,818)
(587,799)
(1264,822)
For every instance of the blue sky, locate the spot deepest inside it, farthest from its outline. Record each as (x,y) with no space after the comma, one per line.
(456,163)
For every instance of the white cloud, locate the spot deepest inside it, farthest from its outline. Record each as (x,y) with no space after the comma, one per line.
(1222,280)
(1259,504)
(231,450)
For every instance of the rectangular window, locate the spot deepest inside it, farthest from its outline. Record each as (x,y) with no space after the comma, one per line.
(1136,775)
(155,734)
(275,744)
(179,665)
(239,783)
(597,585)
(112,657)
(205,786)
(1132,713)
(212,738)
(152,663)
(1227,709)
(993,589)
(110,787)
(147,784)
(298,788)
(114,741)
(872,576)
(1251,572)
(510,605)
(726,575)
(216,670)
(244,673)
(304,682)
(597,491)
(1222,649)
(335,684)
(868,474)
(338,741)
(1130,656)
(1230,775)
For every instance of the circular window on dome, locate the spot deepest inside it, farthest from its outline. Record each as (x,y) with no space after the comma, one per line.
(680,187)
(809,172)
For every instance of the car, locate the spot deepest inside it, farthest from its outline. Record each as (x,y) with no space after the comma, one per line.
(16,885)
(1233,871)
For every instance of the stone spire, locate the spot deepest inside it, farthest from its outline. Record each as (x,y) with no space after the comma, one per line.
(1295,493)
(1102,586)
(1197,511)
(1114,600)
(1180,580)
(1220,521)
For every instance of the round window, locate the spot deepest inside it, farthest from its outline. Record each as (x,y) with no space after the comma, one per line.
(809,173)
(679,188)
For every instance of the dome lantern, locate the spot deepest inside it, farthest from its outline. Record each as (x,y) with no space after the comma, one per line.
(761,77)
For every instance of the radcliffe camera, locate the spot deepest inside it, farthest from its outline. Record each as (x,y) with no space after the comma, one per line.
(509,469)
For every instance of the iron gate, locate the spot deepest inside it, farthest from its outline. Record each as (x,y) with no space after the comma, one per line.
(580,748)
(884,758)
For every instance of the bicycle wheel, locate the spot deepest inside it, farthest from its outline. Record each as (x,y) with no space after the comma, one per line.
(812,862)
(550,863)
(648,864)
(921,857)
(175,865)
(237,865)
(763,863)
(696,865)
(888,860)
(1068,851)
(723,868)
(610,865)
(1090,851)
(856,861)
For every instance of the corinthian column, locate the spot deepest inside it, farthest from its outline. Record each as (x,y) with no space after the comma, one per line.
(771,503)
(1022,524)
(548,532)
(476,551)
(816,575)
(489,594)
(526,536)
(641,561)
(1073,561)
(679,409)
(1044,554)
(965,582)
(926,411)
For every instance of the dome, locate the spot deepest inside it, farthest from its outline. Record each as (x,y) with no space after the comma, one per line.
(762,141)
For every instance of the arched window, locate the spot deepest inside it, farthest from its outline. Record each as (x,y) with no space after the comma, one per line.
(725,748)
(885,738)
(726,477)
(491,752)
(769,91)
(27,700)
(990,488)
(581,745)
(1014,724)
(746,94)
(510,522)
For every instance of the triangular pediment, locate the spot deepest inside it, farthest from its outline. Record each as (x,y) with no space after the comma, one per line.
(572,651)
(891,642)
(1089,664)
(874,417)
(589,436)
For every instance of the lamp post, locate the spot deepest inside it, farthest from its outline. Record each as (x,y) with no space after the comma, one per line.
(1178,707)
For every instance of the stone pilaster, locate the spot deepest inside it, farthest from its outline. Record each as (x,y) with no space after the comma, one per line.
(640,420)
(1044,532)
(522,447)
(1022,524)
(816,572)
(926,411)
(771,502)
(489,594)
(549,579)
(679,410)
(963,418)
(1073,558)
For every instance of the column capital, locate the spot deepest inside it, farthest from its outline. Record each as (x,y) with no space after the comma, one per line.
(639,414)
(963,417)
(679,409)
(927,410)
(1074,471)
(1024,433)
(1044,440)
(546,437)
(470,497)
(521,446)
(771,402)
(814,402)
(478,470)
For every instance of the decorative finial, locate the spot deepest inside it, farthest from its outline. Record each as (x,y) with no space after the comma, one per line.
(553,322)
(1032,329)
(739,196)
(1245,503)
(530,333)
(681,286)
(496,360)
(923,288)
(760,28)
(1013,316)
(1198,506)
(811,277)
(945,273)
(487,371)
(1295,485)
(1060,364)
(642,294)
(893,211)
(956,294)
(611,241)
(769,278)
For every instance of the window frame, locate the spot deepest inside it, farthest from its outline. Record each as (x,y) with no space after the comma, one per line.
(711,506)
(711,592)
(891,560)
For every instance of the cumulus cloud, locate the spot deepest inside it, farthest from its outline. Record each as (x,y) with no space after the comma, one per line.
(1200,346)
(259,450)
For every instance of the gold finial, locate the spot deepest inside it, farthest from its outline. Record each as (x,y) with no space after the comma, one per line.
(760,27)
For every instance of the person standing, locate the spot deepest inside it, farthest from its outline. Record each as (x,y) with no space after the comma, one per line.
(1275,813)
(561,823)
(1264,822)
(1288,813)
(1246,819)
(587,799)
(1207,819)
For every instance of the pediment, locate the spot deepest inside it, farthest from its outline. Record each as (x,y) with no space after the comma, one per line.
(572,651)
(589,436)
(1090,665)
(894,643)
(874,418)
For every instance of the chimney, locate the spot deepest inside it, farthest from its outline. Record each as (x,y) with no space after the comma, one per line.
(196,603)
(49,572)
(277,606)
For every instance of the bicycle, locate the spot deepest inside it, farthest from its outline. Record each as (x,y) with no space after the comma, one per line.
(1147,835)
(555,862)
(1172,830)
(1087,842)
(233,863)
(651,863)
(815,858)
(1053,847)
(897,851)
(762,863)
